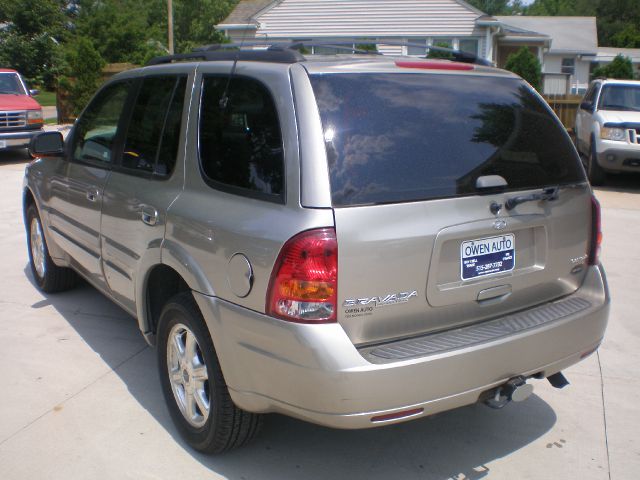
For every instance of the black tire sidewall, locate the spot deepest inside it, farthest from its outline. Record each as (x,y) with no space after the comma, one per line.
(177,312)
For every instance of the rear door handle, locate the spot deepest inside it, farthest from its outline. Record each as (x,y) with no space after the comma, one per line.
(149,215)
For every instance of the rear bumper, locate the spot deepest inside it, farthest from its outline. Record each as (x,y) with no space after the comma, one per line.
(313,372)
(18,139)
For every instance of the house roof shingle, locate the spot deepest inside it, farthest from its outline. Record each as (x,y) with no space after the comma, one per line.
(569,34)
(244,11)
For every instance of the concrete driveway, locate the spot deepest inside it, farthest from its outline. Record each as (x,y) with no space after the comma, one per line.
(80,396)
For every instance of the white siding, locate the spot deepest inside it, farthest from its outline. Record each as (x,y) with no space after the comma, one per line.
(579,80)
(390,49)
(367,18)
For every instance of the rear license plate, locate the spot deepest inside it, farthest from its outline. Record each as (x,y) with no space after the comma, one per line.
(3,144)
(487,256)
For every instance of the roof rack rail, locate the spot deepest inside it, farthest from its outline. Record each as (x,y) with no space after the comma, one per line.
(232,52)
(290,52)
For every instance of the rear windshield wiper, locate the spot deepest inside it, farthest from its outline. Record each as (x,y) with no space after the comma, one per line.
(548,194)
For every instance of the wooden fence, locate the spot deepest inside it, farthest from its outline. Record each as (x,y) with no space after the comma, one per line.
(566,107)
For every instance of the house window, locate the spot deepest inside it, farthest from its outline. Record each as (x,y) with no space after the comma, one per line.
(568,66)
(469,45)
(416,50)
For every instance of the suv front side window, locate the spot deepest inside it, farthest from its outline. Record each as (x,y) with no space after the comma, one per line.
(95,132)
(241,148)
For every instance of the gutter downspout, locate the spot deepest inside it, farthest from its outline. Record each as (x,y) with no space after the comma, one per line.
(490,50)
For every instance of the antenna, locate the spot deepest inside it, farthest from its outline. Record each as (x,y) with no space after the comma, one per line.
(224,100)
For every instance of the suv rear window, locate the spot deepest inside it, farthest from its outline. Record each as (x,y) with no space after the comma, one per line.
(407,137)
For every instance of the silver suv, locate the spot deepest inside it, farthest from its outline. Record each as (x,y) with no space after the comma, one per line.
(351,240)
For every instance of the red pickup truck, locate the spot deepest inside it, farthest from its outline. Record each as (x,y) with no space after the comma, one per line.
(20,115)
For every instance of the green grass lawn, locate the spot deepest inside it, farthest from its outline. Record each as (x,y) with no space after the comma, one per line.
(46,99)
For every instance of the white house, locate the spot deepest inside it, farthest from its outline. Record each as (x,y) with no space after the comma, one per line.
(566,46)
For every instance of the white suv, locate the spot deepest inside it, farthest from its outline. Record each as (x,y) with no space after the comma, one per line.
(608,128)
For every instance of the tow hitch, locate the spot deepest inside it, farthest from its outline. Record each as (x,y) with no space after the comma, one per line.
(558,380)
(516,389)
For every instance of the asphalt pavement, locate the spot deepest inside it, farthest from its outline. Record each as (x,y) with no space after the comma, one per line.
(80,396)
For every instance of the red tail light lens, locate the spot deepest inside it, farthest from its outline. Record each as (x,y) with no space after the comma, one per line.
(304,282)
(596,233)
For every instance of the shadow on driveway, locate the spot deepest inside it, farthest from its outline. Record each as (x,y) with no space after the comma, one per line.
(453,444)
(624,183)
(14,157)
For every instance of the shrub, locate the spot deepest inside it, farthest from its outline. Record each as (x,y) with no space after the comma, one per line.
(84,72)
(621,68)
(439,54)
(527,65)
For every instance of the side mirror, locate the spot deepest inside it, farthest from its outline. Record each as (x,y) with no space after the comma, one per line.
(587,106)
(47,144)
(33,93)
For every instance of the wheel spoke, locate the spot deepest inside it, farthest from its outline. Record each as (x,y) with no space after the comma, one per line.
(203,404)
(190,405)
(190,347)
(177,346)
(199,373)
(176,376)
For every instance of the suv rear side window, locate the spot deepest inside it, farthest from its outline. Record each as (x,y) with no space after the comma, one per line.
(241,144)
(151,144)
(408,137)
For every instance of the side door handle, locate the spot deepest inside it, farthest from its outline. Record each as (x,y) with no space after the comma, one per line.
(149,215)
(92,195)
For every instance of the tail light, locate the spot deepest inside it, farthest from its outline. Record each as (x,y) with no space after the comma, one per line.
(596,233)
(304,282)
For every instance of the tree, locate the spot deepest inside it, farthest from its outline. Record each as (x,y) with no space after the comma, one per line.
(135,30)
(31,36)
(84,69)
(122,30)
(553,7)
(492,7)
(621,67)
(195,19)
(527,65)
(628,37)
(618,20)
(616,17)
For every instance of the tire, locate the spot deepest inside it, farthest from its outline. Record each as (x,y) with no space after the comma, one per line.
(190,389)
(49,277)
(596,174)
